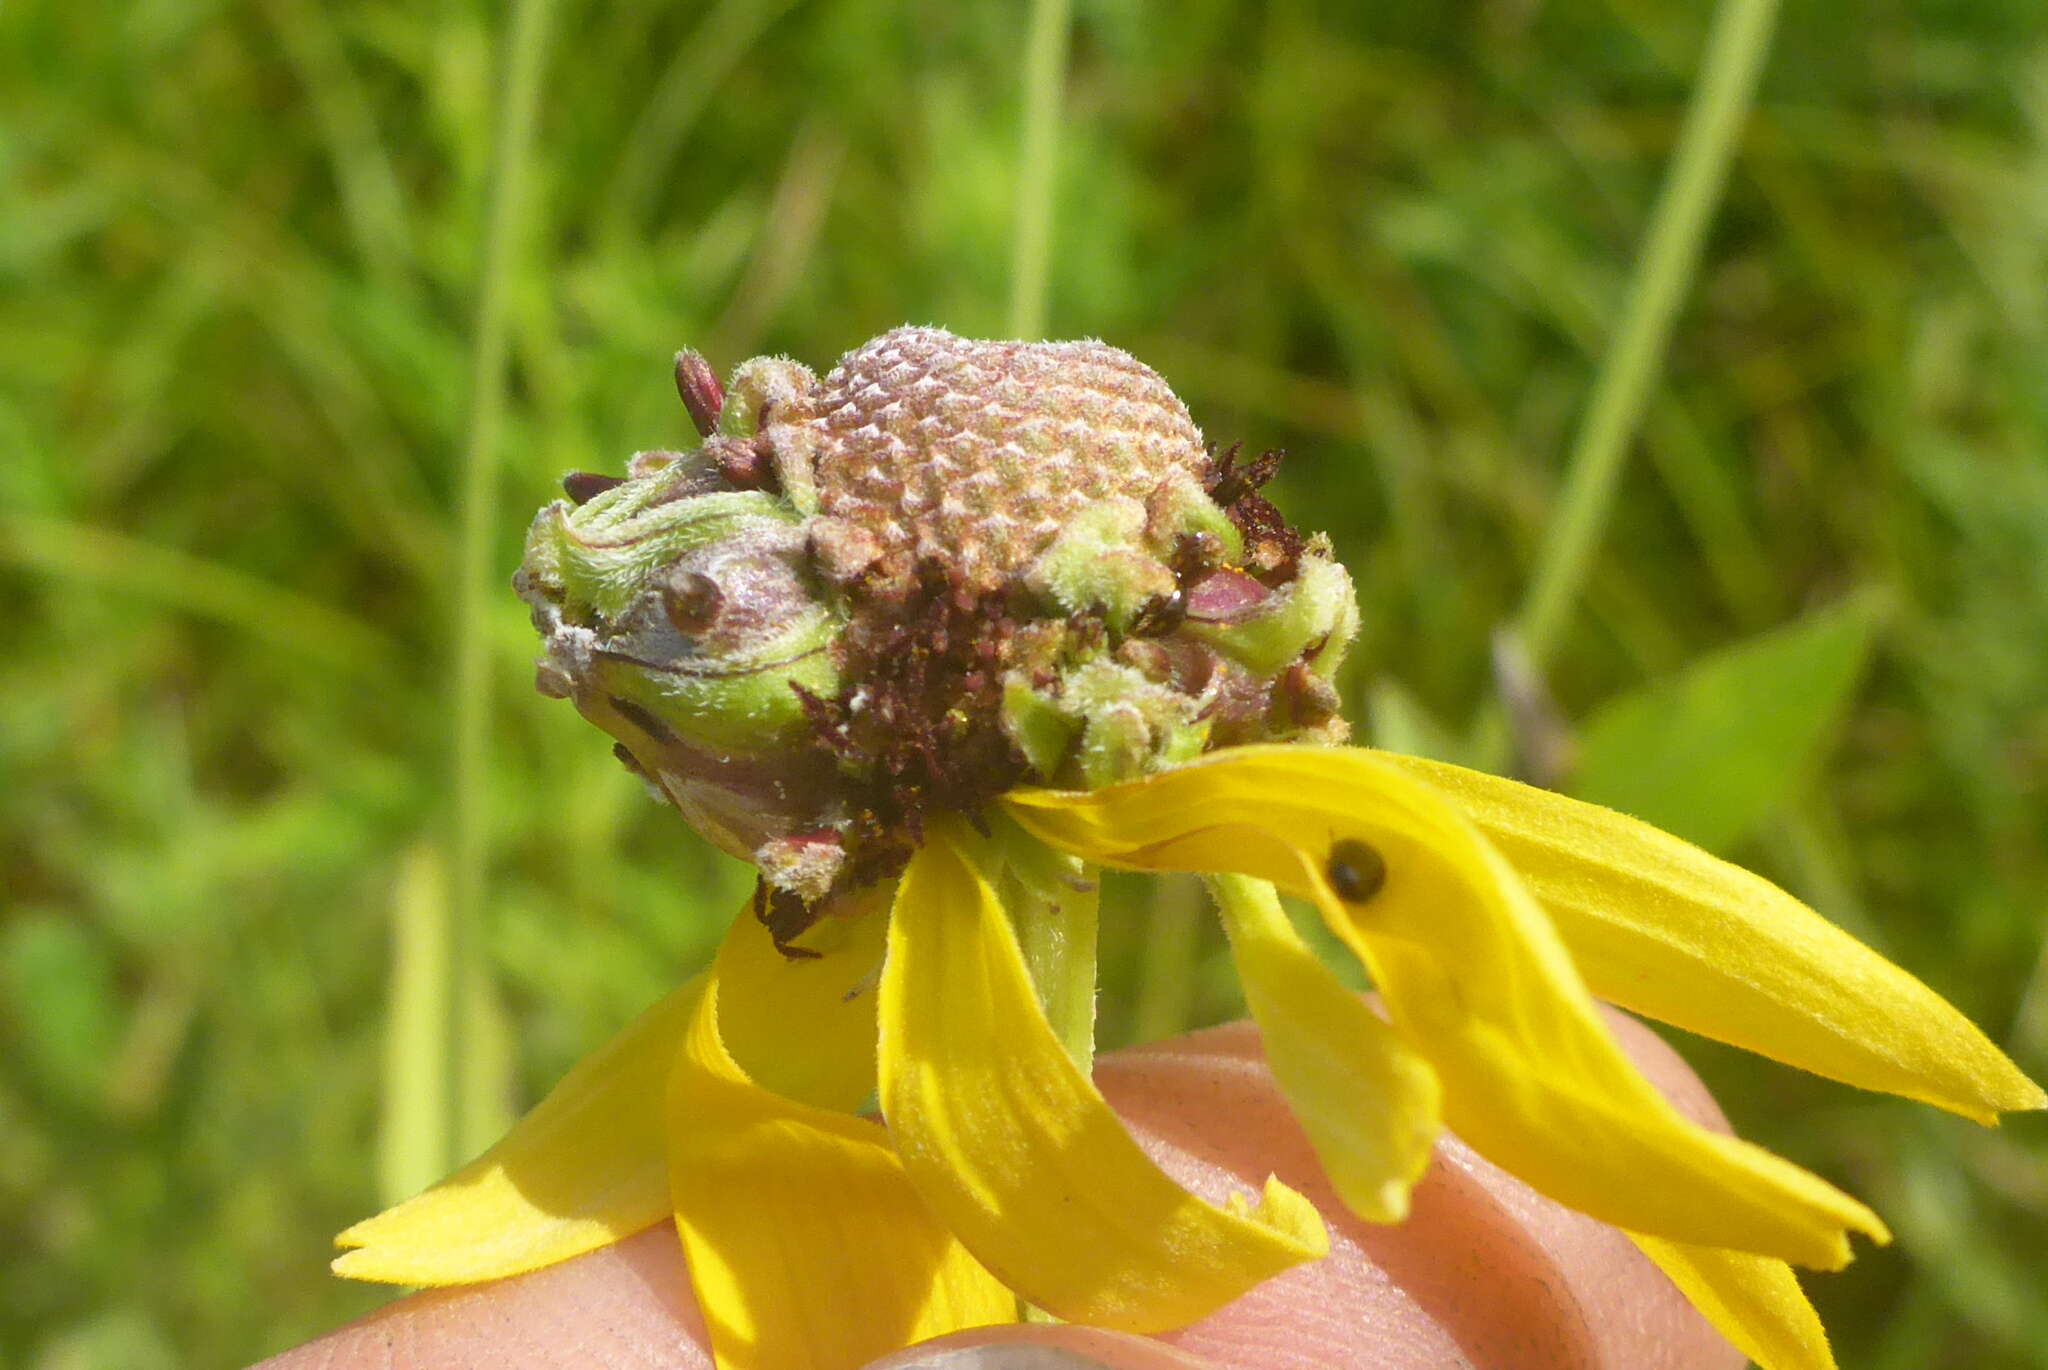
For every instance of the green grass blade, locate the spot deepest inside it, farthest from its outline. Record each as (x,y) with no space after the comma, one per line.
(1045,74)
(195,585)
(413,1148)
(1736,49)
(480,583)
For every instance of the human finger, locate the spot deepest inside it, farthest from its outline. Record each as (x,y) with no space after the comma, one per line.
(1484,1273)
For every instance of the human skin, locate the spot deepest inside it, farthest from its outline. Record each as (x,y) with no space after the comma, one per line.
(1485,1274)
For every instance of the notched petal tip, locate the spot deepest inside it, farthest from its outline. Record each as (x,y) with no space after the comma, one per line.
(1287,1213)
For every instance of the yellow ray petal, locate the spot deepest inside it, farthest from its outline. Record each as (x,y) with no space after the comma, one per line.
(1659,926)
(1369,1104)
(1015,1150)
(808,1248)
(800,1027)
(583,1169)
(1753,1301)
(1475,977)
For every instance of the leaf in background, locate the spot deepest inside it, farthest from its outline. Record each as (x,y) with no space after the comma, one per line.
(1710,752)
(62,987)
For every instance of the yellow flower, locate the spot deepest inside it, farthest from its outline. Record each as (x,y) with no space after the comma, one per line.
(1490,915)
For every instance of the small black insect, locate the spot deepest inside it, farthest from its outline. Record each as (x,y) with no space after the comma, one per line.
(1356,871)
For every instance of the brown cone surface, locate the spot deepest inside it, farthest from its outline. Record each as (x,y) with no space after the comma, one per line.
(977,453)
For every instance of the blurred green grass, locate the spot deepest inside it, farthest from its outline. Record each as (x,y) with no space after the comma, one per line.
(240,249)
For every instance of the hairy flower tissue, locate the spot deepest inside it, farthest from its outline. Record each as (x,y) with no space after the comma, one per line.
(929,639)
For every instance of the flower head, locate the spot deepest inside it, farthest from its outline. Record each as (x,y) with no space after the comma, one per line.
(947,568)
(930,639)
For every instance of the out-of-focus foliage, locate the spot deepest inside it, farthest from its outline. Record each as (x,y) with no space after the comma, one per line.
(238,259)
(1716,750)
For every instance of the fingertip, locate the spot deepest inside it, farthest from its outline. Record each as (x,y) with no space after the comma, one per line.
(1484,1273)
(624,1305)
(1041,1347)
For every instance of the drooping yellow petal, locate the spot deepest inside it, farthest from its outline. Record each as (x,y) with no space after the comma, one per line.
(804,1027)
(1661,927)
(1369,1104)
(1475,977)
(1016,1151)
(807,1247)
(1753,1301)
(583,1169)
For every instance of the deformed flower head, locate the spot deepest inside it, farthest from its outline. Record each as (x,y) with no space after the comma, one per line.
(947,568)
(930,638)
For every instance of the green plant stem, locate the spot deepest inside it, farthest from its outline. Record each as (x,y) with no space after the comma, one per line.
(1058,930)
(1166,978)
(413,1146)
(525,51)
(715,48)
(1737,47)
(1053,901)
(1045,71)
